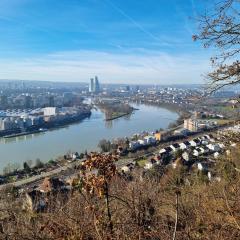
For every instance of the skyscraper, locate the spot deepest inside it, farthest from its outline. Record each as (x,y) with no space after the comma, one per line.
(96,85)
(91,86)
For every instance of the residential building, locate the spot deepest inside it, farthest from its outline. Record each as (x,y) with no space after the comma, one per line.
(191,125)
(50,111)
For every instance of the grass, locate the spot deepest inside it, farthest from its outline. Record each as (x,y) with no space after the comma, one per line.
(117,114)
(222,121)
(142,162)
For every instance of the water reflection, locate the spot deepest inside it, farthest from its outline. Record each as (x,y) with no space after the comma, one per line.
(109,124)
(20,138)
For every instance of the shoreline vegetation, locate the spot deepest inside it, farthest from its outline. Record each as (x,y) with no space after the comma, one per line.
(116,115)
(114,109)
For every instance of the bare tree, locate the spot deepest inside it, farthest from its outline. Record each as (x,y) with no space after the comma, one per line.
(220,28)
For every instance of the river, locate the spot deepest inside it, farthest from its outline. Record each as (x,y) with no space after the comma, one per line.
(82,136)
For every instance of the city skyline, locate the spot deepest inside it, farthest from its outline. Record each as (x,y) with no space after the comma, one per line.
(132,42)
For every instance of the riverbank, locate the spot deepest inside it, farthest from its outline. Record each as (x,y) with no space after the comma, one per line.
(45,126)
(25,133)
(182,112)
(114,109)
(119,114)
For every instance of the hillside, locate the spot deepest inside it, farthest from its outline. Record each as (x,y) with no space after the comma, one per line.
(162,203)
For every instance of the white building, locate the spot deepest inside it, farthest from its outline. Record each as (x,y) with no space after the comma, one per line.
(149,140)
(50,111)
(214,147)
(194,143)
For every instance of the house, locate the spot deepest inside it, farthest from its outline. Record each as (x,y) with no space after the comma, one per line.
(166,150)
(206,149)
(194,143)
(125,169)
(182,131)
(184,145)
(196,152)
(150,164)
(202,150)
(74,156)
(214,147)
(207,137)
(200,166)
(175,147)
(185,156)
(160,135)
(134,145)
(50,184)
(163,150)
(204,137)
(157,136)
(149,140)
(205,142)
(221,145)
(212,140)
(142,142)
(197,140)
(210,137)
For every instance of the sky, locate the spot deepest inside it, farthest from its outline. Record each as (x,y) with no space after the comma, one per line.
(121,41)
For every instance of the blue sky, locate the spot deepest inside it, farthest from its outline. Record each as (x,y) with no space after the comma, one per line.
(122,41)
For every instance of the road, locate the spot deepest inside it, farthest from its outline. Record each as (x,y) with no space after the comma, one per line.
(61,170)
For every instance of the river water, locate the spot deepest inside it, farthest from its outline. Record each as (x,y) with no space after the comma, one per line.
(82,136)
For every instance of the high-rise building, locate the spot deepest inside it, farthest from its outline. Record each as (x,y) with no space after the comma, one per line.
(91,86)
(96,85)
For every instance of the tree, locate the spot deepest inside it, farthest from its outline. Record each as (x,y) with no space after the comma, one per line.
(39,164)
(99,183)
(221,29)
(105,145)
(30,162)
(26,167)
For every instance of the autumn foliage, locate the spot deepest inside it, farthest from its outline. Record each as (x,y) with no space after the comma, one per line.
(108,205)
